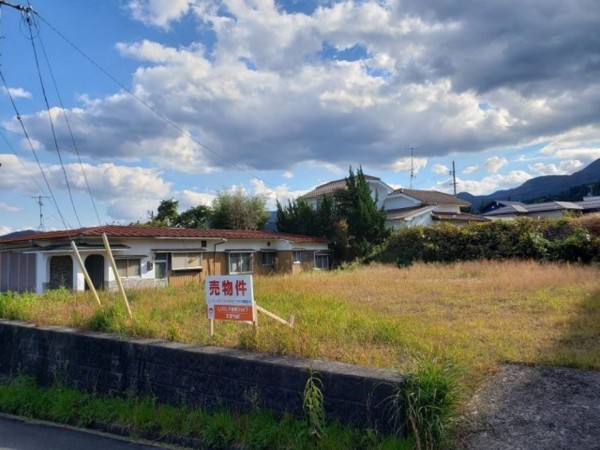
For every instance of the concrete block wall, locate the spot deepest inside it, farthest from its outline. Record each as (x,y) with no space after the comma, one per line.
(201,376)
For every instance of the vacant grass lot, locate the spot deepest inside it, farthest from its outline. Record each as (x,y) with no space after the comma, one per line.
(476,314)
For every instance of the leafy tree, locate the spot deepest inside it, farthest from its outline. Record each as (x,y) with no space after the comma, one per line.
(195,217)
(366,222)
(166,215)
(236,211)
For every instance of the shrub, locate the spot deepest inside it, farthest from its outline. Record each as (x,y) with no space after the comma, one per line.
(525,238)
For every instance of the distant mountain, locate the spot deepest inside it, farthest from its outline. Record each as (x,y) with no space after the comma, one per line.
(18,233)
(539,188)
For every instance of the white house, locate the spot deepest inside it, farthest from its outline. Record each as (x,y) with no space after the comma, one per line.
(151,256)
(379,190)
(404,207)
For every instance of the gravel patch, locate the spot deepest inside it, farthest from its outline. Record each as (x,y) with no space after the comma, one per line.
(524,407)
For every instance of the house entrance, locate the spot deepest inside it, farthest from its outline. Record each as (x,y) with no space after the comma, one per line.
(61,272)
(94,264)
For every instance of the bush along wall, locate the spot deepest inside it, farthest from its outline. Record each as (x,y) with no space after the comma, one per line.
(542,240)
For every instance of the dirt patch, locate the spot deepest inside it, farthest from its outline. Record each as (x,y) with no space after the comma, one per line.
(523,407)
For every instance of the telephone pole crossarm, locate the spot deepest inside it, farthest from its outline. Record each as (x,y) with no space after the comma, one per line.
(23,8)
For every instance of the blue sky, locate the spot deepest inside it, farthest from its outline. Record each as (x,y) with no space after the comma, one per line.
(278,97)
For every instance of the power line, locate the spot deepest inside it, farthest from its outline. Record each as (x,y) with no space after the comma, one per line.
(149,107)
(64,111)
(20,161)
(32,148)
(37,64)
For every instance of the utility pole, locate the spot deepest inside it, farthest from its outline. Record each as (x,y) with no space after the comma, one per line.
(412,165)
(41,204)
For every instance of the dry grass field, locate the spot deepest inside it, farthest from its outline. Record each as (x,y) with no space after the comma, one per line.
(476,314)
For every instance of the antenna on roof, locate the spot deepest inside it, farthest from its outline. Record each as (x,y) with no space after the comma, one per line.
(412,165)
(453,173)
(41,204)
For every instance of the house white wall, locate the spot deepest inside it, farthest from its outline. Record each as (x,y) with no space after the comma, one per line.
(145,250)
(399,201)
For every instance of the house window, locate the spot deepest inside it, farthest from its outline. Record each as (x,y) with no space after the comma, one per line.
(128,267)
(161,265)
(297,256)
(186,261)
(321,261)
(267,258)
(240,262)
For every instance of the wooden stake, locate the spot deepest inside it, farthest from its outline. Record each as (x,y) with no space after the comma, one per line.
(85,272)
(289,323)
(116,273)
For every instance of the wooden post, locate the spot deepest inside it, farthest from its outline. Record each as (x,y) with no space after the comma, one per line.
(289,323)
(116,273)
(85,272)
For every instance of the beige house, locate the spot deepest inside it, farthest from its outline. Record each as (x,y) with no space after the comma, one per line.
(151,256)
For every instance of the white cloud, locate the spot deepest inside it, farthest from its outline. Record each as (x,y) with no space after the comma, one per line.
(287,174)
(564,167)
(495,163)
(8,208)
(405,164)
(281,193)
(470,169)
(158,12)
(440,169)
(5,230)
(189,199)
(16,92)
(493,183)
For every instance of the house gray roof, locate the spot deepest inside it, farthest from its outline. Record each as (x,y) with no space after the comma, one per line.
(534,208)
(431,197)
(590,204)
(332,186)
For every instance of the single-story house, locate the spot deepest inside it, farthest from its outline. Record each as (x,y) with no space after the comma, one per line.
(151,256)
(546,210)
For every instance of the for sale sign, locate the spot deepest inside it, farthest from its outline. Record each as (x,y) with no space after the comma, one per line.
(230,297)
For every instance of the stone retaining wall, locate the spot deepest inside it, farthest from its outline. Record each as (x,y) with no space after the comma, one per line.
(207,377)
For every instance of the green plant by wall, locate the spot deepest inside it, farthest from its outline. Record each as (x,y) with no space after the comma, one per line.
(312,403)
(425,405)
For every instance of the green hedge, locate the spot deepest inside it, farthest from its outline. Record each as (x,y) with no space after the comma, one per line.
(544,240)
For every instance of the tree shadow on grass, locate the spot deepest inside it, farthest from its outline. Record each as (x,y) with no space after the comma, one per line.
(556,405)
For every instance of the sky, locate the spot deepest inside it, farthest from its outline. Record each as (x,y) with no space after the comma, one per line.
(124,103)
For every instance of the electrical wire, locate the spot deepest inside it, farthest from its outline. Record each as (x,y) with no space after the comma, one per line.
(148,106)
(18,116)
(37,64)
(41,190)
(68,123)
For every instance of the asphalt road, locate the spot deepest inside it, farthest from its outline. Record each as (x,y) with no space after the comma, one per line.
(17,434)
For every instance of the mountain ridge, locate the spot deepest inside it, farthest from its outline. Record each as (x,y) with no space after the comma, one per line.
(539,187)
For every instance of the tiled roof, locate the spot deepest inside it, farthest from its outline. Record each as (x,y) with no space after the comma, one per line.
(431,197)
(332,186)
(161,232)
